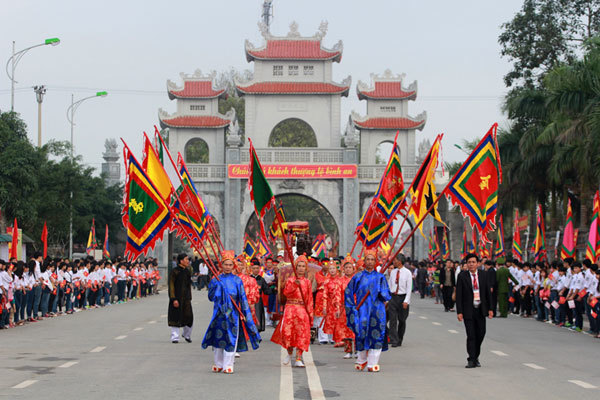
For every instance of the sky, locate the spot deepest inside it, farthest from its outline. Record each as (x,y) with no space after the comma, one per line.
(130,48)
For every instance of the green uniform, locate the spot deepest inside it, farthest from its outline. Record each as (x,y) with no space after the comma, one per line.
(502,277)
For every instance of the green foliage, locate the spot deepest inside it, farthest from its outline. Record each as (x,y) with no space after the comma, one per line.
(292,132)
(35,186)
(196,152)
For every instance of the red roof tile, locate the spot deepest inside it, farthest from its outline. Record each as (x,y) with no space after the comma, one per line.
(293,50)
(196,90)
(207,121)
(387,90)
(294,88)
(389,123)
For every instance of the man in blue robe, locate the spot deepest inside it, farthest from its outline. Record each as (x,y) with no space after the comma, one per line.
(228,330)
(368,322)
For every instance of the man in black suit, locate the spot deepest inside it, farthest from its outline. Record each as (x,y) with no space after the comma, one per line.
(472,306)
(447,284)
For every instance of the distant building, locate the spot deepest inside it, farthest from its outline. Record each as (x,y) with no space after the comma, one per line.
(111,168)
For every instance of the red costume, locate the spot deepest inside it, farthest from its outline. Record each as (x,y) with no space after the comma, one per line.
(294,328)
(252,293)
(321,279)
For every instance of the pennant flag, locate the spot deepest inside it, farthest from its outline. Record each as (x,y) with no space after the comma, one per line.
(465,243)
(145,214)
(260,191)
(275,232)
(445,249)
(105,249)
(568,245)
(539,245)
(15,241)
(517,253)
(435,248)
(263,248)
(499,250)
(592,248)
(483,250)
(372,228)
(249,248)
(390,193)
(474,188)
(91,243)
(422,189)
(45,240)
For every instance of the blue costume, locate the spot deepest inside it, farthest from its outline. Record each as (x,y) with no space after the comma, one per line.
(224,330)
(368,323)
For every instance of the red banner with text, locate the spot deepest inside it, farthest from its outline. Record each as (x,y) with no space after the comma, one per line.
(327,171)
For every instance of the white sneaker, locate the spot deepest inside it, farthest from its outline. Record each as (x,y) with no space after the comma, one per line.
(237,355)
(348,355)
(299,364)
(286,360)
(355,355)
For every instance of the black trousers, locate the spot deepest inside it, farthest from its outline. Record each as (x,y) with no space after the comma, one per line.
(494,301)
(447,294)
(397,316)
(422,286)
(475,328)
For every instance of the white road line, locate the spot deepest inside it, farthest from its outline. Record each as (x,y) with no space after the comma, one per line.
(164,316)
(97,349)
(583,384)
(534,366)
(499,353)
(68,364)
(314,382)
(422,317)
(286,387)
(24,384)
(138,329)
(121,337)
(452,331)
(436,323)
(151,322)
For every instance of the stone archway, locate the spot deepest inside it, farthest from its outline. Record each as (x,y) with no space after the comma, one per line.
(299,207)
(383,151)
(292,132)
(196,152)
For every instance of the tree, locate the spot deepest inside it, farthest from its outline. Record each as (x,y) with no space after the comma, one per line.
(292,132)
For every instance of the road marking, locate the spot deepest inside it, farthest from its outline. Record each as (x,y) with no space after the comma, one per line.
(499,353)
(151,322)
(534,366)
(286,386)
(121,337)
(68,364)
(422,317)
(97,349)
(164,316)
(583,384)
(436,323)
(138,329)
(452,331)
(24,384)
(314,382)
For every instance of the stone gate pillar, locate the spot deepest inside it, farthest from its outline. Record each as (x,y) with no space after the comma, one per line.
(232,229)
(350,205)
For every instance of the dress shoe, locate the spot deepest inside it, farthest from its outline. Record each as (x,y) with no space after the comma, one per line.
(187,339)
(395,345)
(174,341)
(471,364)
(477,364)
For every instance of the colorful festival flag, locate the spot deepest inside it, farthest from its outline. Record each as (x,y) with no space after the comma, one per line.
(145,214)
(275,232)
(568,245)
(105,249)
(45,240)
(517,252)
(390,193)
(539,245)
(91,243)
(15,241)
(260,191)
(499,249)
(372,228)
(592,248)
(156,172)
(474,242)
(263,248)
(249,247)
(465,243)
(445,249)
(474,188)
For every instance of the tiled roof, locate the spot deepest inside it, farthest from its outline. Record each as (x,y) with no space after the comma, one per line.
(294,88)
(207,121)
(386,90)
(196,90)
(293,50)
(389,123)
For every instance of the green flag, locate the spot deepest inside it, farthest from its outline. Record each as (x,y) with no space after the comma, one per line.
(260,191)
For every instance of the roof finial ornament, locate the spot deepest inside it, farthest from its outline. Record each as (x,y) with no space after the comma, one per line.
(322,30)
(293,30)
(267,13)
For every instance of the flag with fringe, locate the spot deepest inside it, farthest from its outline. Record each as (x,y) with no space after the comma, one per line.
(592,248)
(568,245)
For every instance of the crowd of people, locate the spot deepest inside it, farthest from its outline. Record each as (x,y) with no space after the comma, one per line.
(45,288)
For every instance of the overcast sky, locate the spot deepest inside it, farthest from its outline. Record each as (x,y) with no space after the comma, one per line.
(130,48)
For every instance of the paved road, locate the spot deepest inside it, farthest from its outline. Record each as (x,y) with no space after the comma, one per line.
(123,351)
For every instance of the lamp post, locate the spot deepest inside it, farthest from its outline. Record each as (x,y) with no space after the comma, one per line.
(40,91)
(70,113)
(14,60)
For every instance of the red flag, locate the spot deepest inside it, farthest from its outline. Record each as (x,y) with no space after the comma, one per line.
(15,241)
(45,240)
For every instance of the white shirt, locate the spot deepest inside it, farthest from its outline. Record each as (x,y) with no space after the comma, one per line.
(5,279)
(577,282)
(46,277)
(475,277)
(203,269)
(404,285)
(108,275)
(526,279)
(121,274)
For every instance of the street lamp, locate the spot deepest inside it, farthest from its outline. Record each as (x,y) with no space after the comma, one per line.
(70,113)
(14,60)
(461,149)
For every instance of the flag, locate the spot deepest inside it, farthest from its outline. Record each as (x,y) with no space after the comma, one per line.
(260,191)
(15,241)
(45,240)
(275,232)
(592,248)
(474,188)
(390,193)
(474,242)
(499,249)
(422,189)
(155,171)
(433,246)
(372,228)
(263,248)
(249,247)
(445,249)
(105,250)
(483,250)
(465,243)
(517,253)
(539,245)
(145,214)
(91,243)
(568,245)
